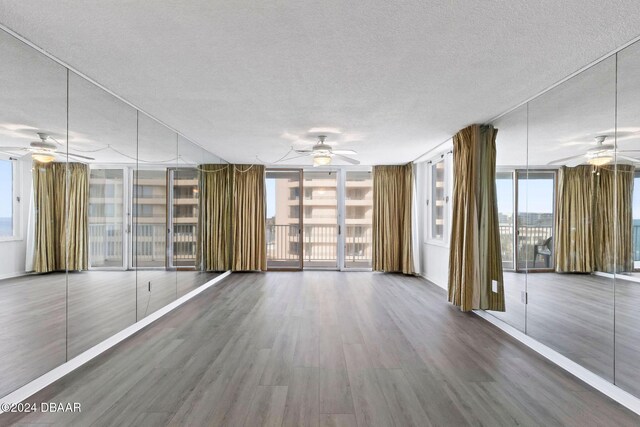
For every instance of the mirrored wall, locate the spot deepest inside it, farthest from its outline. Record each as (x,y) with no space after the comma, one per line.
(568,185)
(98,214)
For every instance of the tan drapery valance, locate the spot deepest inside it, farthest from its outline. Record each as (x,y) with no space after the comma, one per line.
(231,218)
(474,255)
(61,198)
(392,199)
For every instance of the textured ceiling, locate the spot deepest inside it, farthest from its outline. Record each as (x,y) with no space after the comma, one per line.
(245,78)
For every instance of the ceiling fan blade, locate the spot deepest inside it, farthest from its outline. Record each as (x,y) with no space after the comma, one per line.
(79,156)
(577,160)
(13,148)
(343,152)
(11,151)
(631,159)
(294,157)
(565,159)
(627,151)
(346,159)
(304,151)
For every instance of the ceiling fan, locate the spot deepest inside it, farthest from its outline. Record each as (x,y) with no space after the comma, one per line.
(45,151)
(600,155)
(323,153)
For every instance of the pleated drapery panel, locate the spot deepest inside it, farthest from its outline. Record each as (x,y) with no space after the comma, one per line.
(46,236)
(249,223)
(624,224)
(490,253)
(61,199)
(214,217)
(613,218)
(474,256)
(392,199)
(574,241)
(77,219)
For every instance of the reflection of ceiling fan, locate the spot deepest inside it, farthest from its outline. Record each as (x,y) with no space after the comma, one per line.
(323,153)
(600,155)
(45,151)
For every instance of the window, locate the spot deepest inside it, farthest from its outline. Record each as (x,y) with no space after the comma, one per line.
(8,200)
(294,193)
(438,200)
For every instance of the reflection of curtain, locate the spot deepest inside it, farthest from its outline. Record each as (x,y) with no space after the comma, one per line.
(475,259)
(248,229)
(61,238)
(613,211)
(392,194)
(77,223)
(574,242)
(214,218)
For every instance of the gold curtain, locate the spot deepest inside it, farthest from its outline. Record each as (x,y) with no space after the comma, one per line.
(574,241)
(249,225)
(613,218)
(392,198)
(214,217)
(61,196)
(475,259)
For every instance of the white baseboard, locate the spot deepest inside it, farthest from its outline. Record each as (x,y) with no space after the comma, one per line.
(55,374)
(433,281)
(14,275)
(614,392)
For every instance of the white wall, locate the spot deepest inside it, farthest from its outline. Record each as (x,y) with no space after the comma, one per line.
(12,253)
(434,256)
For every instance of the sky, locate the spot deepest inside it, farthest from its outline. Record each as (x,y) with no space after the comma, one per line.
(271,197)
(536,197)
(6,188)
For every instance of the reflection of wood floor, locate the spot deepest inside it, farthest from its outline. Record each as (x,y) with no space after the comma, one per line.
(324,348)
(33,314)
(574,315)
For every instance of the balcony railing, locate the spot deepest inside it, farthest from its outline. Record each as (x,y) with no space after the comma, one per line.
(320,244)
(149,242)
(282,242)
(184,244)
(358,246)
(105,245)
(528,237)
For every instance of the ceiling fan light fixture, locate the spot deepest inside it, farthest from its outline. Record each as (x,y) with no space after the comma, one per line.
(321,160)
(600,160)
(43,157)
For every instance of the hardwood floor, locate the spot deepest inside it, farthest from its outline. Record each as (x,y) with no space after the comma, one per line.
(39,329)
(574,315)
(323,349)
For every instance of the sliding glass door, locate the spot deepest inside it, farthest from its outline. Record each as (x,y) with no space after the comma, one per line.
(108,226)
(526,209)
(320,216)
(284,221)
(149,201)
(183,217)
(536,210)
(505,187)
(358,219)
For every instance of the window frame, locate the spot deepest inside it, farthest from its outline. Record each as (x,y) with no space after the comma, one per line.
(16,199)
(445,158)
